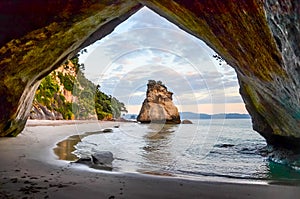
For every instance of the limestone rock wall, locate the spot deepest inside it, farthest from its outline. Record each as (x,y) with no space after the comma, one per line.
(158,105)
(37,36)
(283,114)
(260,40)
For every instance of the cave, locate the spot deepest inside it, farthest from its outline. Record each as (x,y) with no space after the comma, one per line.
(259,39)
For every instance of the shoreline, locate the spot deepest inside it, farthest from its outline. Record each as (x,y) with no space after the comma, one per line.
(31,122)
(29,168)
(64,149)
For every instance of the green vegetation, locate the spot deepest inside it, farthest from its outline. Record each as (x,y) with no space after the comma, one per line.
(68,92)
(48,95)
(107,106)
(46,91)
(67,81)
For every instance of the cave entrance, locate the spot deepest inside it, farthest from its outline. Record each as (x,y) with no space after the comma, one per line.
(148,47)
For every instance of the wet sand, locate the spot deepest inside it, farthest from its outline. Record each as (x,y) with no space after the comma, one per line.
(30,169)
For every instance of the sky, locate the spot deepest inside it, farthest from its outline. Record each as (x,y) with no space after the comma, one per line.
(147,46)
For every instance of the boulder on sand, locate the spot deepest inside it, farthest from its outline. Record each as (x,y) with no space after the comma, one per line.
(99,160)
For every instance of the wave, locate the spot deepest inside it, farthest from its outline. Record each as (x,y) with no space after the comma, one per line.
(239,176)
(285,157)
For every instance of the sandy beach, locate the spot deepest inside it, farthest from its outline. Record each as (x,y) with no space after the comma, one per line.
(30,169)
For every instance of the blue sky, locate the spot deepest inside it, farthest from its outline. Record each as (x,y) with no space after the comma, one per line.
(147,46)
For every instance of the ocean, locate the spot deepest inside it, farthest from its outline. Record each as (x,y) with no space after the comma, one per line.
(219,148)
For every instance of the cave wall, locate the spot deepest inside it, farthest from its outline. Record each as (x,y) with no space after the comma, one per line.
(284,21)
(259,39)
(37,36)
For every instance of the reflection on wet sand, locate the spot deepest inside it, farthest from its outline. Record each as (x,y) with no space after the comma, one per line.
(159,131)
(157,148)
(65,148)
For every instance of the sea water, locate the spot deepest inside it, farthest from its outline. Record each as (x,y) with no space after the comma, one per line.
(219,148)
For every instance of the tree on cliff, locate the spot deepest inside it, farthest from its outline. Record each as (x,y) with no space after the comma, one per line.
(67,94)
(107,106)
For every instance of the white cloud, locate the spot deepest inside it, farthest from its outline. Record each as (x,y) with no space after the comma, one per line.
(147,46)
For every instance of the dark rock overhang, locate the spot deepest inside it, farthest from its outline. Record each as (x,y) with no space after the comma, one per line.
(259,39)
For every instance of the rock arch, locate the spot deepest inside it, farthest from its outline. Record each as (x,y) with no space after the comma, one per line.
(259,39)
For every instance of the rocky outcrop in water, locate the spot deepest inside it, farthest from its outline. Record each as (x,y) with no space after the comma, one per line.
(158,105)
(186,122)
(259,39)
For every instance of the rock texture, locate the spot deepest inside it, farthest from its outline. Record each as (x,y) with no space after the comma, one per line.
(158,105)
(283,117)
(65,94)
(259,39)
(38,37)
(40,112)
(99,160)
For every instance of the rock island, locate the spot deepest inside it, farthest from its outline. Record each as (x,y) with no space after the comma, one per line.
(158,105)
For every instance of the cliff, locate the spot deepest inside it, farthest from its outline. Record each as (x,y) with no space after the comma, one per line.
(259,39)
(57,96)
(158,105)
(66,94)
(48,33)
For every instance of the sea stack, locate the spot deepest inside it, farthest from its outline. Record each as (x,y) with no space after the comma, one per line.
(158,106)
